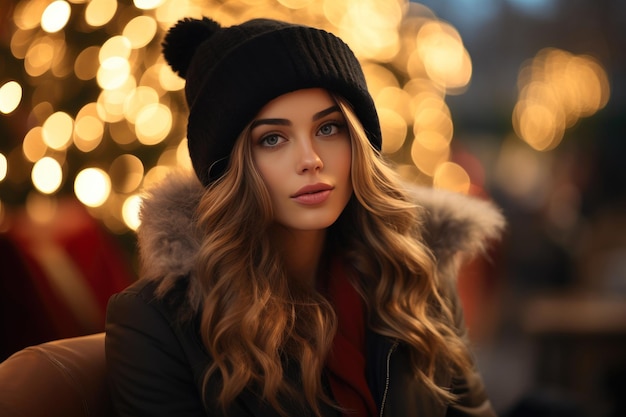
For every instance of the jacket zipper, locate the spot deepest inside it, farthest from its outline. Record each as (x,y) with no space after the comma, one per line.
(382,404)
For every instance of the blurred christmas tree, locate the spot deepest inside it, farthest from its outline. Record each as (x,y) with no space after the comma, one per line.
(90,108)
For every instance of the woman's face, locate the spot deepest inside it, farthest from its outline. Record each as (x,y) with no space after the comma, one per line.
(301,148)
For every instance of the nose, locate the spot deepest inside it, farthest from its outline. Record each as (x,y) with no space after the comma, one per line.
(308,159)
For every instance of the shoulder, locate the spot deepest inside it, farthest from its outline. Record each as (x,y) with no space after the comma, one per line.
(154,361)
(457,223)
(142,325)
(455,227)
(168,237)
(142,301)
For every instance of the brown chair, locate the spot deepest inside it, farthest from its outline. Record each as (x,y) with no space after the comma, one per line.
(62,378)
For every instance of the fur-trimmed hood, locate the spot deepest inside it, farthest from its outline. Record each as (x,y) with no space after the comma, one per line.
(455,227)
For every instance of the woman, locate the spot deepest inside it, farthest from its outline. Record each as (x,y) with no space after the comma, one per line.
(294,275)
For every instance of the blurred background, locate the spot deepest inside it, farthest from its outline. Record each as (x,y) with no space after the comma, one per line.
(518,101)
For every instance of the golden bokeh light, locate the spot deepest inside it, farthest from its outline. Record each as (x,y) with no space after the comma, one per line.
(453,177)
(148,4)
(423,93)
(379,38)
(55,16)
(433,118)
(126,173)
(33,146)
(130,212)
(140,31)
(4,166)
(155,175)
(122,133)
(153,124)
(378,78)
(410,173)
(100,12)
(27,14)
(88,128)
(88,132)
(10,96)
(92,187)
(556,89)
(115,47)
(110,104)
(47,175)
(171,11)
(169,158)
(86,64)
(394,128)
(428,150)
(20,42)
(39,57)
(296,4)
(395,99)
(57,130)
(113,73)
(41,111)
(445,59)
(542,126)
(134,114)
(137,100)
(182,154)
(169,80)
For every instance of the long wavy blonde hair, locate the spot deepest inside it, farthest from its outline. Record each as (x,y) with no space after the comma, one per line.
(253,317)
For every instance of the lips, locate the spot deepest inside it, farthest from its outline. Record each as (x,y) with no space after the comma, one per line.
(312,194)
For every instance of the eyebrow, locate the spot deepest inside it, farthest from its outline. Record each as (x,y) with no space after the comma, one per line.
(286,122)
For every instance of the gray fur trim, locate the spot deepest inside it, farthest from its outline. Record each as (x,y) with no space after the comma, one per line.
(168,238)
(455,226)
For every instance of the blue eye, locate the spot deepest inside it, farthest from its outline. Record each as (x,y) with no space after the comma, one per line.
(270,140)
(329,129)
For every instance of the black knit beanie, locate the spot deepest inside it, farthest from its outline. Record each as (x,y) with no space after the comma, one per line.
(232,72)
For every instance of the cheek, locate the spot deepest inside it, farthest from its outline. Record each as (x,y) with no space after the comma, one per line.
(342,160)
(271,173)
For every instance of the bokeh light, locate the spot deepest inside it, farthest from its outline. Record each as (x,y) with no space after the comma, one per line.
(556,89)
(47,175)
(140,31)
(88,128)
(10,96)
(57,130)
(453,177)
(33,145)
(148,4)
(86,64)
(126,173)
(55,16)
(153,124)
(445,59)
(102,94)
(3,167)
(130,211)
(92,187)
(100,12)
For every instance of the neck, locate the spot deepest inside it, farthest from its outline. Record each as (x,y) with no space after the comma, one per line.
(302,252)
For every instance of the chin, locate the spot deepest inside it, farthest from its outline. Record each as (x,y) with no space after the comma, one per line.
(311,223)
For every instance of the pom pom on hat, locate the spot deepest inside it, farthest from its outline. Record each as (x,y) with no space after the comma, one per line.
(183,39)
